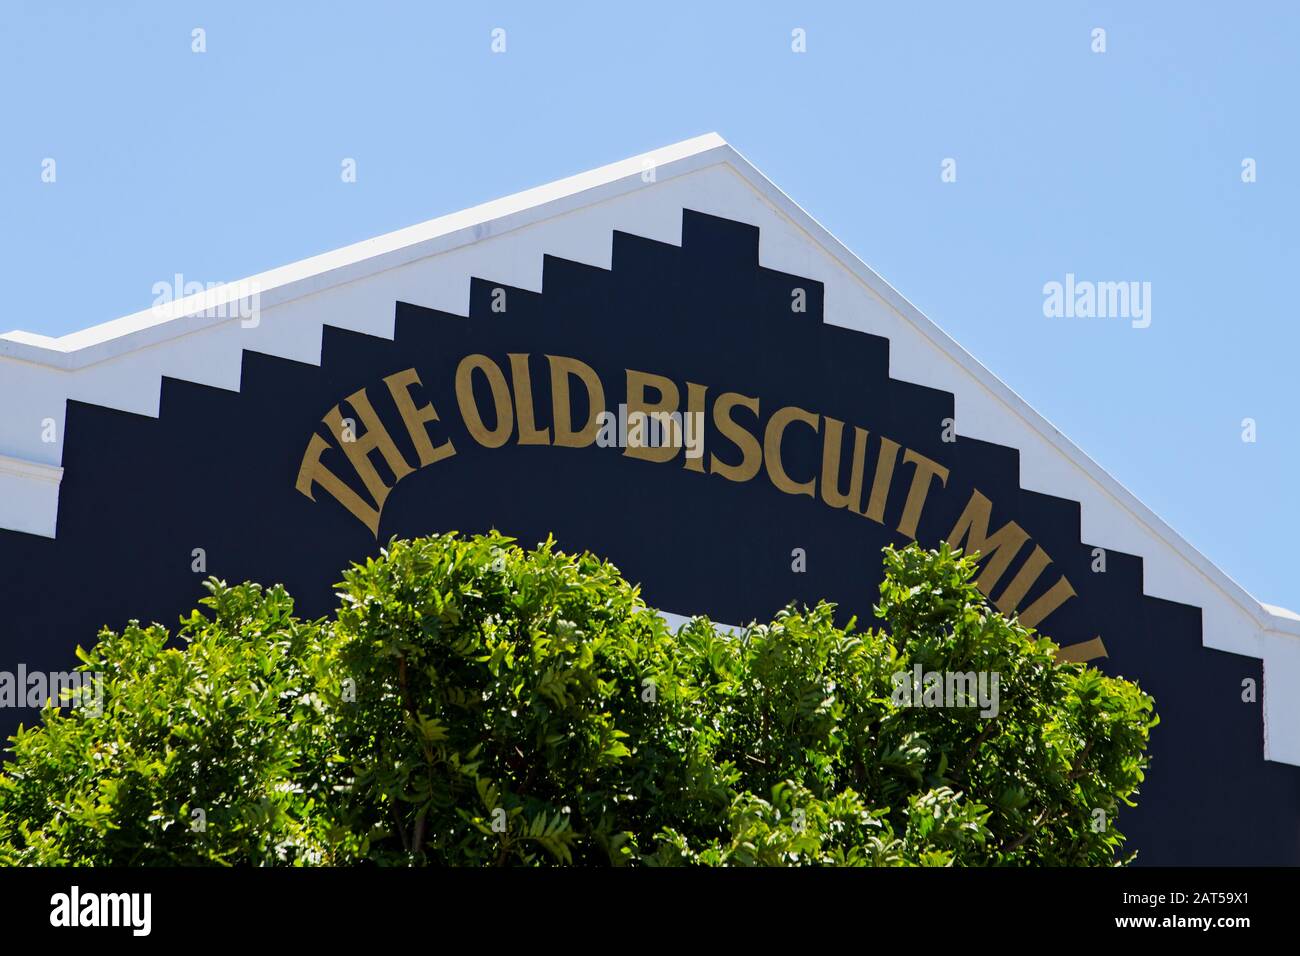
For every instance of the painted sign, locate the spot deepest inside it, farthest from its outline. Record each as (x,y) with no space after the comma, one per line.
(688,414)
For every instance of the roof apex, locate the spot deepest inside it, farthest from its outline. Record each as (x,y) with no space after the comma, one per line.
(184,315)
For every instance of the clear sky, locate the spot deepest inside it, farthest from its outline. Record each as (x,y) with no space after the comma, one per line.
(1117,166)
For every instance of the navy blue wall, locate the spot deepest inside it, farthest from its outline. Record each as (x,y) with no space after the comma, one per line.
(217,471)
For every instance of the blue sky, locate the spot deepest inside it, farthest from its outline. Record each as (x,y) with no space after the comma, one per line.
(1123,165)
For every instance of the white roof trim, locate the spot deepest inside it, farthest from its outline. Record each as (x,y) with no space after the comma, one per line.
(152,327)
(184,316)
(33,470)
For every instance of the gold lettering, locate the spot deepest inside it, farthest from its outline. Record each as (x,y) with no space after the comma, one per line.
(667,404)
(776,426)
(999,549)
(1058,594)
(996,551)
(469,411)
(399,384)
(751,451)
(831,442)
(1083,651)
(375,438)
(312,472)
(529,433)
(1030,572)
(562,410)
(925,470)
(885,462)
(695,411)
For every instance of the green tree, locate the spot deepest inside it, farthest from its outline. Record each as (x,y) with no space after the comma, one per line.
(210,752)
(473,703)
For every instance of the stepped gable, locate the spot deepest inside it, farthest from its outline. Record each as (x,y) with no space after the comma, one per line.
(216,469)
(189,432)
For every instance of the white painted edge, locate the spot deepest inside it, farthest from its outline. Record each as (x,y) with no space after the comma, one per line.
(1280,611)
(818,234)
(30,492)
(185,316)
(30,470)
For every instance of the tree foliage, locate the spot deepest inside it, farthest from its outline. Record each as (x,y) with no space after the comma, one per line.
(473,703)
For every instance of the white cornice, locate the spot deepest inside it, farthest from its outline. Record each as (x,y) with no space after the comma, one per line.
(30,470)
(436,236)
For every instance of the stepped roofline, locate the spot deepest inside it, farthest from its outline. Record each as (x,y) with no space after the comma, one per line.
(183,316)
(120,363)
